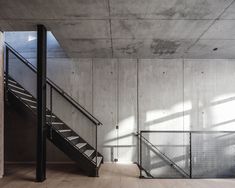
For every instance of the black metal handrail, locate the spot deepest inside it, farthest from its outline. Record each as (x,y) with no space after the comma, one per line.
(207,132)
(56,87)
(172,163)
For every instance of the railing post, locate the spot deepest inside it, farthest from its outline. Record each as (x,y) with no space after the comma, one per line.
(51,111)
(190,155)
(41,103)
(140,145)
(96,138)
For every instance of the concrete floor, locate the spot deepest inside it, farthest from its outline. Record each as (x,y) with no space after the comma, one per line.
(111,176)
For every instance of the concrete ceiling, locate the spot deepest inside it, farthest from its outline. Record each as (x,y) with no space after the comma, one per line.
(130,28)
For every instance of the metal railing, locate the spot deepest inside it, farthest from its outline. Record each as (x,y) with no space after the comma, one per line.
(190,150)
(53,87)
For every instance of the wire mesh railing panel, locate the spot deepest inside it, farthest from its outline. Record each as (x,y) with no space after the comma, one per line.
(187,154)
(165,155)
(71,116)
(22,74)
(213,155)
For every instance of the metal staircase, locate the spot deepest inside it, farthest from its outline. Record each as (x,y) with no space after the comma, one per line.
(58,132)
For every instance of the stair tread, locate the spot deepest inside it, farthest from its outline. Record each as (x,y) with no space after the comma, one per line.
(65,130)
(12,81)
(57,123)
(48,115)
(29,100)
(80,145)
(17,87)
(21,93)
(89,152)
(72,137)
(99,159)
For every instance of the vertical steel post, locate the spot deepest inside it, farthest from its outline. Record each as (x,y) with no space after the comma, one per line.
(190,155)
(96,138)
(41,103)
(51,111)
(140,145)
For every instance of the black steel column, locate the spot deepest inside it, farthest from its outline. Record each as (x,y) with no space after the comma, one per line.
(41,103)
(7,71)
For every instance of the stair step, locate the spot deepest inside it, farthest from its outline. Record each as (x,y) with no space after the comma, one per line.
(99,159)
(64,130)
(72,137)
(81,145)
(28,100)
(16,87)
(9,80)
(57,123)
(48,115)
(89,152)
(33,107)
(27,95)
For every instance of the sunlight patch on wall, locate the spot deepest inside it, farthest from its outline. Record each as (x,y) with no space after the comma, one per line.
(221,116)
(126,131)
(223,97)
(153,115)
(31,37)
(170,124)
(229,150)
(127,125)
(187,123)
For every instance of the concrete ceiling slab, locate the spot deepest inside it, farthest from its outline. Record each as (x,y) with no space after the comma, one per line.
(80,29)
(221,29)
(150,48)
(99,48)
(168,9)
(230,13)
(4,25)
(53,9)
(129,28)
(164,29)
(212,49)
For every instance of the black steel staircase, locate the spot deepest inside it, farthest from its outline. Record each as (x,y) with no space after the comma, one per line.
(58,132)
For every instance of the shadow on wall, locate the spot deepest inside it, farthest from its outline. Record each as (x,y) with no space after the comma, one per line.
(212,155)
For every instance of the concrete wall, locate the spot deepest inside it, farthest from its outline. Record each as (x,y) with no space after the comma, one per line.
(1,108)
(172,94)
(128,95)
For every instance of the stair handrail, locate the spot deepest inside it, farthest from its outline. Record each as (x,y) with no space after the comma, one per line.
(172,163)
(56,87)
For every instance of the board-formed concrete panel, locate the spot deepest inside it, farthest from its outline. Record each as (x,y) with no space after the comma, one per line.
(167,9)
(105,105)
(53,9)
(212,48)
(162,29)
(208,88)
(221,29)
(150,48)
(87,48)
(81,29)
(127,110)
(161,94)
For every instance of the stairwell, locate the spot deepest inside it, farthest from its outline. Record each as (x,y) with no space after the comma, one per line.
(58,132)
